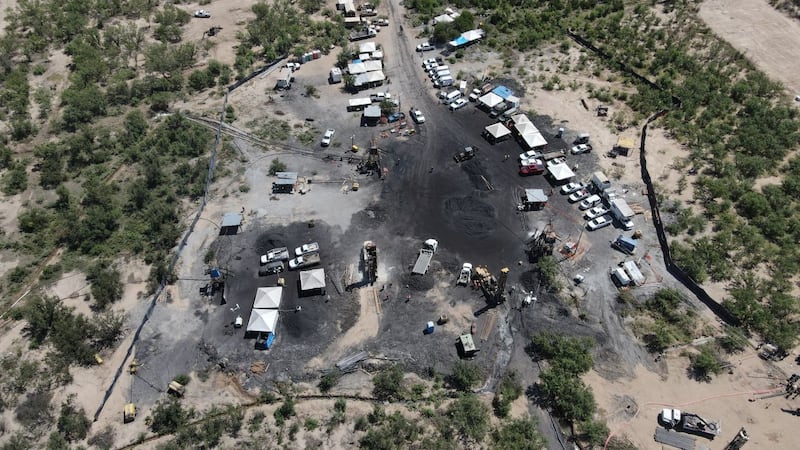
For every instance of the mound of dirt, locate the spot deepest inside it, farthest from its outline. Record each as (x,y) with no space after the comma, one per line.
(417,283)
(471,216)
(370,217)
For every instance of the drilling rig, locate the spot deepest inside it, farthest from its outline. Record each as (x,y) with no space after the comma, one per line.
(493,288)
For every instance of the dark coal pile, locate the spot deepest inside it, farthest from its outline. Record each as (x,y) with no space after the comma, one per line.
(470,216)
(274,239)
(417,282)
(476,172)
(371,217)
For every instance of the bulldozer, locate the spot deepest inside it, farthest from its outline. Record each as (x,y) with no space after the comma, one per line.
(129,413)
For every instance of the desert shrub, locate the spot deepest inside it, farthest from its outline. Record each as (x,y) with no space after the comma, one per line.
(509,390)
(169,416)
(388,385)
(276,166)
(72,422)
(285,411)
(182,379)
(34,411)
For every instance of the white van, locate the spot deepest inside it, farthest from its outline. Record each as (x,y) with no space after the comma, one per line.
(589,202)
(451,97)
(444,73)
(444,82)
(433,70)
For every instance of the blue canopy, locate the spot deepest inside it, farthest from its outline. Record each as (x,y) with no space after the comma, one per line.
(503,92)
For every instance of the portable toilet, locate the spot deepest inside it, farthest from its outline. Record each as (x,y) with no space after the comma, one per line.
(429,328)
(462,86)
(335,76)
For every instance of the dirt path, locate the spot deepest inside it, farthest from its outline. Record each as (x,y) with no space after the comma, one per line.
(766,37)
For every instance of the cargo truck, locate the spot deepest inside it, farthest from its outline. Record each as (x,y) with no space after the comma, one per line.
(425,257)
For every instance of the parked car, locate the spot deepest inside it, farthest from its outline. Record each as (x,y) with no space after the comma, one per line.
(474,95)
(589,202)
(305,249)
(327,137)
(531,169)
(599,222)
(270,268)
(572,187)
(202,14)
(531,162)
(529,154)
(276,254)
(581,148)
(429,61)
(595,212)
(396,116)
(424,47)
(579,195)
(556,161)
(417,116)
(458,103)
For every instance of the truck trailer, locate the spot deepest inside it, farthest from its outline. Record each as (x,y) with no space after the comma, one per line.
(689,423)
(425,257)
(622,212)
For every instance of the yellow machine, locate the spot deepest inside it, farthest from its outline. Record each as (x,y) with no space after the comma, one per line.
(129,413)
(176,388)
(356,185)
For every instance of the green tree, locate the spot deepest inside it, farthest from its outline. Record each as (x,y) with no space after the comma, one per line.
(106,284)
(705,364)
(42,314)
(276,166)
(169,416)
(547,266)
(394,432)
(509,390)
(570,354)
(465,375)
(15,180)
(519,434)
(388,385)
(468,417)
(72,422)
(569,397)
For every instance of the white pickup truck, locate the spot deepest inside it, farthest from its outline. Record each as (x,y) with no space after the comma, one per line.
(311,247)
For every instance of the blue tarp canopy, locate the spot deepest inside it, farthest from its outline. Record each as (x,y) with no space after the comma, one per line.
(503,92)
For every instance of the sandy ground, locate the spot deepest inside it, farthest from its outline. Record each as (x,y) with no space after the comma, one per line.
(5,5)
(766,36)
(631,407)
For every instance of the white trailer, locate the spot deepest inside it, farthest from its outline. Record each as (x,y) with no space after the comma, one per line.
(357,104)
(622,212)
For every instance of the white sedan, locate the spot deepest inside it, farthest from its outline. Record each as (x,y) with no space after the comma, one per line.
(459,103)
(417,116)
(571,187)
(529,154)
(595,212)
(578,195)
(581,148)
(326,138)
(599,222)
(202,14)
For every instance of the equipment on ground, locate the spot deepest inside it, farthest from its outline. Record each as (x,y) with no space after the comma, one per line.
(466,346)
(467,154)
(465,275)
(689,423)
(129,413)
(493,288)
(425,256)
(213,31)
(541,243)
(176,388)
(738,441)
(370,256)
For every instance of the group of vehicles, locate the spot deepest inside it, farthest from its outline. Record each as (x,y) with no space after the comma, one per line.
(438,72)
(306,255)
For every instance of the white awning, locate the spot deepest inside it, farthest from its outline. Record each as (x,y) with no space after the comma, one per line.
(561,172)
(356,68)
(367,47)
(369,77)
(633,270)
(373,65)
(534,139)
(535,196)
(491,100)
(519,119)
(312,279)
(498,130)
(268,297)
(263,320)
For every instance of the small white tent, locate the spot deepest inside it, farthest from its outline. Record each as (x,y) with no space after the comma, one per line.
(263,320)
(268,297)
(312,279)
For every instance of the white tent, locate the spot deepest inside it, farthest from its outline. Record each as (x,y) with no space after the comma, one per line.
(491,100)
(367,47)
(373,65)
(356,68)
(444,18)
(312,279)
(633,270)
(535,196)
(498,130)
(519,119)
(268,297)
(561,172)
(263,320)
(534,139)
(369,77)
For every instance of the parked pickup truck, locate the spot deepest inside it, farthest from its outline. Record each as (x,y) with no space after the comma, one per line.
(270,268)
(301,262)
(276,254)
(312,247)
(425,255)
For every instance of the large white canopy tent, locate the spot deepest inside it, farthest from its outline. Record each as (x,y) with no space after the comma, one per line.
(561,172)
(498,130)
(263,320)
(490,100)
(312,279)
(268,297)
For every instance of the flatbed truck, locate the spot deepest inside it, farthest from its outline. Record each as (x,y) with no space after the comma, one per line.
(425,257)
